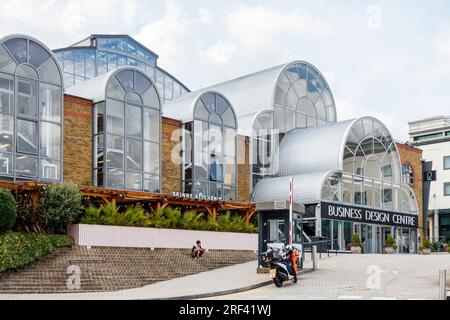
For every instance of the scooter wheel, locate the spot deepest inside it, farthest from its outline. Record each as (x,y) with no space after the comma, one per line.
(278,282)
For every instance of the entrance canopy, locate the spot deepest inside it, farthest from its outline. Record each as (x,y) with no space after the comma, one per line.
(354,162)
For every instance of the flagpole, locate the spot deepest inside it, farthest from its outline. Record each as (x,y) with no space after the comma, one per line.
(291,208)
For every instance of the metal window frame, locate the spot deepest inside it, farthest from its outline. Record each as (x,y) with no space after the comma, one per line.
(37,118)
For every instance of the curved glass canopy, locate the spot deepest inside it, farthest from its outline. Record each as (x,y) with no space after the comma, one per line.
(100,54)
(127,133)
(371,174)
(31,111)
(302,99)
(210,144)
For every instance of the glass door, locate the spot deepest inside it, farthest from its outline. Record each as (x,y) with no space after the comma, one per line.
(405,241)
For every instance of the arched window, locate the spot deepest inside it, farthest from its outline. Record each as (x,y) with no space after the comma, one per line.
(210,144)
(303,99)
(31,111)
(408,174)
(128,134)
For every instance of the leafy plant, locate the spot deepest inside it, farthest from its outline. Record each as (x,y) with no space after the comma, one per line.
(427,243)
(390,241)
(8,212)
(29,219)
(356,241)
(21,249)
(61,205)
(191,220)
(395,246)
(109,214)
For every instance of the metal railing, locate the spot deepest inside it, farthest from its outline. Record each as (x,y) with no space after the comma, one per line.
(323,246)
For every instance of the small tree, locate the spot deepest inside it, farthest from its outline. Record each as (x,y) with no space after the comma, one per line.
(8,213)
(61,205)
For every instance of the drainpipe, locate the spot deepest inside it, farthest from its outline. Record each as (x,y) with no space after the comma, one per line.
(436,221)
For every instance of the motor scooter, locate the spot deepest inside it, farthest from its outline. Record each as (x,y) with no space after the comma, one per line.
(281,267)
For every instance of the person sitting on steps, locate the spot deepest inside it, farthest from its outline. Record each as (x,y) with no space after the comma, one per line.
(197,250)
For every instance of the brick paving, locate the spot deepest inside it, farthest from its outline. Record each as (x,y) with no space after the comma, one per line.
(346,277)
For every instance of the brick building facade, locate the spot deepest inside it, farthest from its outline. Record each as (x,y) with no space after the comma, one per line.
(413,156)
(78,141)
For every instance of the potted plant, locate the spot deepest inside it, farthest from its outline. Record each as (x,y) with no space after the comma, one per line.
(389,247)
(356,244)
(426,247)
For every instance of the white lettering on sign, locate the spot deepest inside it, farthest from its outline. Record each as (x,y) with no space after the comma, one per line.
(377,216)
(341,212)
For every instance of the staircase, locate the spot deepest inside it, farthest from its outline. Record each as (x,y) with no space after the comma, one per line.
(110,269)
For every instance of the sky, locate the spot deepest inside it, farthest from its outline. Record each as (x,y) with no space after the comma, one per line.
(387,59)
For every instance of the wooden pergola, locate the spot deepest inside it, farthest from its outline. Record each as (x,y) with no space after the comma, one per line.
(156,200)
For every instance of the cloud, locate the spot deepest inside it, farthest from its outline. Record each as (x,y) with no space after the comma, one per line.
(205,15)
(219,52)
(168,36)
(259,25)
(442,44)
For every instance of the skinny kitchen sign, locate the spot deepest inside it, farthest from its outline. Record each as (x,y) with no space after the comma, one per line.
(336,211)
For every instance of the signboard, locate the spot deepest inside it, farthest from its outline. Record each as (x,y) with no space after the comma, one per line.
(337,211)
(199,196)
(279,205)
(429,176)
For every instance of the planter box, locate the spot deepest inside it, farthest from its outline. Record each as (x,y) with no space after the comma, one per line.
(389,250)
(356,250)
(129,237)
(426,252)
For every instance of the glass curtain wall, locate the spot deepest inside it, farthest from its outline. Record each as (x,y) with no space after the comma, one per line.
(31,110)
(302,99)
(127,134)
(105,54)
(209,167)
(371,174)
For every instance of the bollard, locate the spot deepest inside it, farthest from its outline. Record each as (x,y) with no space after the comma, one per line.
(314,256)
(442,285)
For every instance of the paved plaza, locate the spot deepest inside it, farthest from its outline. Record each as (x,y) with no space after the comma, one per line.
(338,277)
(368,277)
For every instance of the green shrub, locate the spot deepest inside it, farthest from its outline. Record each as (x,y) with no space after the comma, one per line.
(427,243)
(20,249)
(390,241)
(356,241)
(8,211)
(169,218)
(61,205)
(110,215)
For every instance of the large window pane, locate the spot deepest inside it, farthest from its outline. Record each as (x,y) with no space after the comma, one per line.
(151,158)
(6,133)
(115,178)
(90,65)
(115,151)
(6,94)
(134,121)
(134,154)
(447,163)
(49,170)
(133,181)
(27,136)
(6,162)
(151,125)
(102,62)
(115,114)
(50,102)
(18,49)
(50,140)
(27,97)
(26,166)
(151,183)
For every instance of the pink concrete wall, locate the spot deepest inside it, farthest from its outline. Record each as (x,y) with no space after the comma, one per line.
(126,237)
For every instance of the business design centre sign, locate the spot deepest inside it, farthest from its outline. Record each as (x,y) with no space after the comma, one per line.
(336,211)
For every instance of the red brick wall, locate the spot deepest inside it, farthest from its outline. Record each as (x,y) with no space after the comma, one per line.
(413,157)
(78,140)
(171,172)
(243,169)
